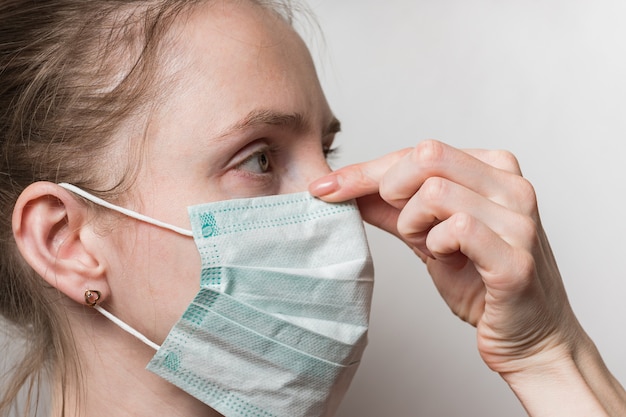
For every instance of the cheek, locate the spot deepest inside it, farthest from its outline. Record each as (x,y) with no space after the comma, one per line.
(158,276)
(173,269)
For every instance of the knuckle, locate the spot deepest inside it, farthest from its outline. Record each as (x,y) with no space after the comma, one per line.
(386,189)
(429,153)
(463,223)
(405,228)
(525,195)
(505,160)
(527,232)
(434,189)
(409,233)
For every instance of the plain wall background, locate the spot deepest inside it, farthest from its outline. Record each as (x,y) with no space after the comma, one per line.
(544,79)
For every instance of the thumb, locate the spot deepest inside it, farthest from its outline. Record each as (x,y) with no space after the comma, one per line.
(377,212)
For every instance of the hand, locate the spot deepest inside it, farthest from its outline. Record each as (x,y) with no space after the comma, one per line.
(473,218)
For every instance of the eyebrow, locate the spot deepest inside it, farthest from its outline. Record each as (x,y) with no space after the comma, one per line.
(294,121)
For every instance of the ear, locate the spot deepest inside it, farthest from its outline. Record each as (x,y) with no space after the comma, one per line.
(54,235)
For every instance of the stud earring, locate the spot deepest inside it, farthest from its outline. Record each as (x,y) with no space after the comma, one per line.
(92,297)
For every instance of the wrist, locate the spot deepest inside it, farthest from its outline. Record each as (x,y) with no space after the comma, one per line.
(568,379)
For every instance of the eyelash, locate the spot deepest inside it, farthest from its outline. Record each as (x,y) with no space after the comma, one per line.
(330,153)
(253,159)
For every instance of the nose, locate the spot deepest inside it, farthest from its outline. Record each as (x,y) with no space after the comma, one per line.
(305,166)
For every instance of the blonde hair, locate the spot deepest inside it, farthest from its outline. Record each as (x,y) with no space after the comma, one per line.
(71,73)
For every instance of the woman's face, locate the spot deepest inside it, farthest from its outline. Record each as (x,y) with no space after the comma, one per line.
(245,116)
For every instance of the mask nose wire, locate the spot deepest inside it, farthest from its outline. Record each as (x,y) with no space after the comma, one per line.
(125,211)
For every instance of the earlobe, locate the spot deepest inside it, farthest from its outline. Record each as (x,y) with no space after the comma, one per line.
(54,235)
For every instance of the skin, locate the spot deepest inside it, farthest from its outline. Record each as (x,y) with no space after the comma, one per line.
(244,116)
(469,215)
(473,219)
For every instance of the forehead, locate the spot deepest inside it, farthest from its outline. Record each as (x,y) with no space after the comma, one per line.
(234,57)
(243,20)
(243,37)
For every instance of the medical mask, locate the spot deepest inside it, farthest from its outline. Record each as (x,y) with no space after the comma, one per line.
(280,323)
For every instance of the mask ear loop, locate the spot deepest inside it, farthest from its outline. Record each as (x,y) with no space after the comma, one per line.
(91,299)
(93,296)
(125,211)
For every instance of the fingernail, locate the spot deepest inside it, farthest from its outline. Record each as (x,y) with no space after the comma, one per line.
(324,186)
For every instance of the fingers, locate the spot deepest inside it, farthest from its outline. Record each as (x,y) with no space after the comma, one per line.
(410,193)
(473,268)
(504,268)
(356,180)
(362,181)
(500,159)
(435,159)
(473,218)
(398,176)
(376,211)
(439,199)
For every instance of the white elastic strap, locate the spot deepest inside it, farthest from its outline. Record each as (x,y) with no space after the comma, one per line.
(127,328)
(125,211)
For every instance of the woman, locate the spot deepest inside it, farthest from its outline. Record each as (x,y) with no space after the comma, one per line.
(159,106)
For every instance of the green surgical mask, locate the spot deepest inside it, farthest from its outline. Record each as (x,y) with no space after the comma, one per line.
(280,323)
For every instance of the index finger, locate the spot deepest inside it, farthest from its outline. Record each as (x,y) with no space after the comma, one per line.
(356,180)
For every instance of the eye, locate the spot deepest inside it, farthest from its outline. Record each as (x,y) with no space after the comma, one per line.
(257,163)
(330,152)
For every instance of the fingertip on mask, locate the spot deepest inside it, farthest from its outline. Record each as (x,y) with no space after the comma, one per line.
(324,186)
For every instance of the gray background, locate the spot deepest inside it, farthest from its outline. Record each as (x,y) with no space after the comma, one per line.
(544,79)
